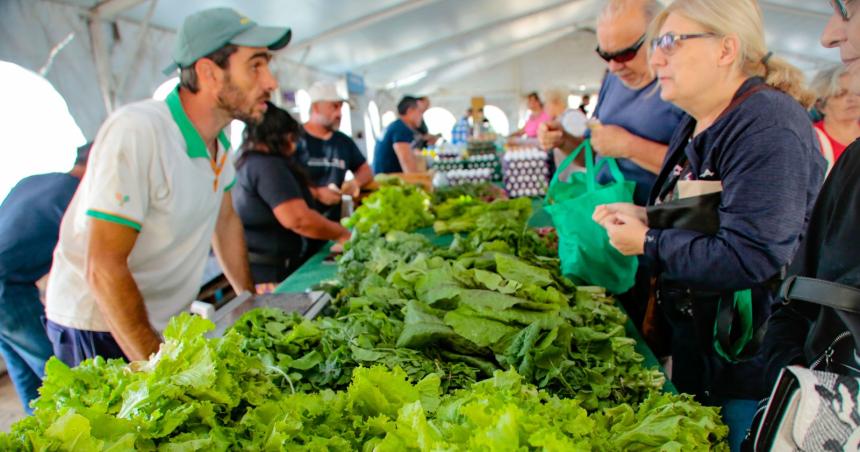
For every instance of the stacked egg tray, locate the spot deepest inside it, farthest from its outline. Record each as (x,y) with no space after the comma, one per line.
(469,176)
(526,173)
(480,147)
(482,162)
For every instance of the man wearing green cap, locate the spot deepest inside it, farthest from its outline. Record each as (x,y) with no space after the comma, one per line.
(135,238)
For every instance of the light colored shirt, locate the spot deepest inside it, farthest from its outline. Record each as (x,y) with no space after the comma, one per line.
(149,170)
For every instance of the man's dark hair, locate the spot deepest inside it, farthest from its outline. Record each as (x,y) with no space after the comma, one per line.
(405,104)
(221,57)
(277,129)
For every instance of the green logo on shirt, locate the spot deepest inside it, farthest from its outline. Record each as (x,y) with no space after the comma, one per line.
(121,199)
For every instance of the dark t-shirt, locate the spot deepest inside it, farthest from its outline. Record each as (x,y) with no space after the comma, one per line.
(420,142)
(30,227)
(264,181)
(327,161)
(384,158)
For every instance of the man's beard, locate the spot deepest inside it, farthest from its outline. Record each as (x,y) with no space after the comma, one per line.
(231,98)
(331,126)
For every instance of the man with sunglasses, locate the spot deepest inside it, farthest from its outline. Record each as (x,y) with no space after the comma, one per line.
(635,125)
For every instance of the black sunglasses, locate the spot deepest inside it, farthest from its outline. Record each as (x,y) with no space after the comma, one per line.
(623,55)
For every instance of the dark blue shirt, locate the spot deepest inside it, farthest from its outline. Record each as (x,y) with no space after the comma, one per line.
(384,158)
(643,113)
(30,227)
(770,170)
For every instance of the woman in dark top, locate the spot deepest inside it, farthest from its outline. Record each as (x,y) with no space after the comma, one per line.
(274,199)
(761,172)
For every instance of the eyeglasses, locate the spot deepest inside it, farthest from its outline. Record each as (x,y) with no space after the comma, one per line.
(841,8)
(623,55)
(668,43)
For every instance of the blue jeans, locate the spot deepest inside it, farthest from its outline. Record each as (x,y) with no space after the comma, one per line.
(23,342)
(738,415)
(73,346)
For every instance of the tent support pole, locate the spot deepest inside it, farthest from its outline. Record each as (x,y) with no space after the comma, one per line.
(100,57)
(138,52)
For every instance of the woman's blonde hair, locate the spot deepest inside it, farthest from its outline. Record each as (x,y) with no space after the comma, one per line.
(741,18)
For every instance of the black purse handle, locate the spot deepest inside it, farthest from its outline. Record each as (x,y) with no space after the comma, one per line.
(821,292)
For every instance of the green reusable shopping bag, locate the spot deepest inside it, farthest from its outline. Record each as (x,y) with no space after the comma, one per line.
(587,258)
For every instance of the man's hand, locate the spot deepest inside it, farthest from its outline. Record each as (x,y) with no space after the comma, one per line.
(550,135)
(626,233)
(350,188)
(612,141)
(327,195)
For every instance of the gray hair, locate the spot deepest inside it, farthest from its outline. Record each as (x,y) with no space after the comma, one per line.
(613,8)
(826,83)
(555,94)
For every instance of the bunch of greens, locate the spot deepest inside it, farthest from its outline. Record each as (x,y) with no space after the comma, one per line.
(504,413)
(371,255)
(495,311)
(466,214)
(481,191)
(319,354)
(191,394)
(396,206)
(196,395)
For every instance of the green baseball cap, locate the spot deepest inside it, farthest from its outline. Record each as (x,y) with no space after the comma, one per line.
(207,31)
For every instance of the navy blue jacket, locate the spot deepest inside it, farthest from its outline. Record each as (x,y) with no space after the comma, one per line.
(765,153)
(30,226)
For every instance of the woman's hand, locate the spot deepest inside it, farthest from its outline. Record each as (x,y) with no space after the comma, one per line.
(626,233)
(327,195)
(604,211)
(338,246)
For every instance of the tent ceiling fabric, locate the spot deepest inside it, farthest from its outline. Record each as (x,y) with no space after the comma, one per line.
(449,47)
(443,32)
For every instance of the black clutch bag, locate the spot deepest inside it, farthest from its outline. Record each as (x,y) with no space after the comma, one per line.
(696,213)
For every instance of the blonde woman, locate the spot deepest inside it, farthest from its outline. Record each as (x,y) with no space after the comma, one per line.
(746,163)
(571,120)
(841,110)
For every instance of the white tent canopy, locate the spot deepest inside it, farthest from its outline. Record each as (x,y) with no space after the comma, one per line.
(447,49)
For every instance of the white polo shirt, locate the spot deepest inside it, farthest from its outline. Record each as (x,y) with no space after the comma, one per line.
(149,169)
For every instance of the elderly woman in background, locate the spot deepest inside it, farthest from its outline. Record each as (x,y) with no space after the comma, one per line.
(748,177)
(841,110)
(572,120)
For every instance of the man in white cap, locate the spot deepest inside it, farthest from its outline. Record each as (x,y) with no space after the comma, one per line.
(328,153)
(156,197)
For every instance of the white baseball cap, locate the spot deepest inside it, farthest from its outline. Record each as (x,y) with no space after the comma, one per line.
(325,92)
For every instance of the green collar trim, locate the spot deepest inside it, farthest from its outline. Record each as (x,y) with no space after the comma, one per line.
(196,147)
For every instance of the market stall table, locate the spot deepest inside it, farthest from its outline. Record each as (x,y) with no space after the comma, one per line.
(318,269)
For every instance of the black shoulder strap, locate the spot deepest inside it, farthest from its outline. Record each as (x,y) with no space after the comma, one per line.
(818,291)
